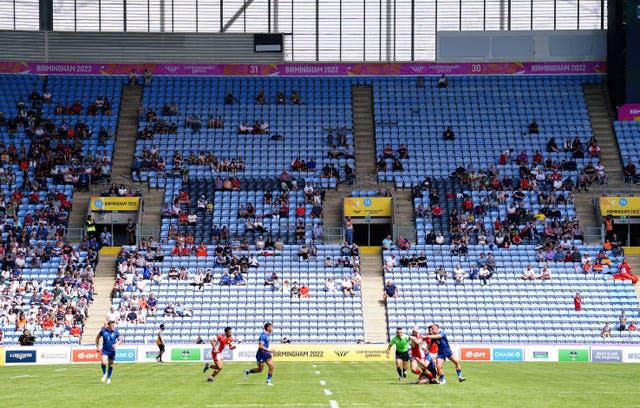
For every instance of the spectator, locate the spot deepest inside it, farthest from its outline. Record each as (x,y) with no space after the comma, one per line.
(529,273)
(148,75)
(304,291)
(329,284)
(630,173)
(443,81)
(387,243)
(533,127)
(441,274)
(622,321)
(458,274)
(347,286)
(26,338)
(390,291)
(485,274)
(448,134)
(577,302)
(389,263)
(606,330)
(545,273)
(632,328)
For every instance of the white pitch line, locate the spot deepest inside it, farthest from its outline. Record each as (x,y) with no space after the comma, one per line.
(59,369)
(334,404)
(322,382)
(327,392)
(19,376)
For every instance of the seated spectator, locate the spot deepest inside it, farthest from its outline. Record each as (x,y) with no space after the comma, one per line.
(390,291)
(533,127)
(397,165)
(458,273)
(294,292)
(552,146)
(381,164)
(329,285)
(443,81)
(605,332)
(630,173)
(389,263)
(238,279)
(273,281)
(545,273)
(294,97)
(229,98)
(484,274)
(261,98)
(529,273)
(402,243)
(448,134)
(170,311)
(226,280)
(304,291)
(403,152)
(441,274)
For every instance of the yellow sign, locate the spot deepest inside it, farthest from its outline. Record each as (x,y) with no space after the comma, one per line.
(620,206)
(326,352)
(115,203)
(1,356)
(367,206)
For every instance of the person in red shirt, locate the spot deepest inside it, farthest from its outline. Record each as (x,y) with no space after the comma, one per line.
(577,302)
(632,326)
(218,344)
(202,250)
(75,331)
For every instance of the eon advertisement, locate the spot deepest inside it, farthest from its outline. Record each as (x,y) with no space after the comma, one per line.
(85,355)
(475,353)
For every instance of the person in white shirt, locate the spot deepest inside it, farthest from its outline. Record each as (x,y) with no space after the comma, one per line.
(192,218)
(458,273)
(529,273)
(389,263)
(545,273)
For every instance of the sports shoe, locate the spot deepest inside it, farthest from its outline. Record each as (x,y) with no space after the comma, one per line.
(108,380)
(400,378)
(209,379)
(269,383)
(104,378)
(404,375)
(205,368)
(245,374)
(443,381)
(461,379)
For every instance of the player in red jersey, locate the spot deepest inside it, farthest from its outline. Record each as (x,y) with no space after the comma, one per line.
(420,360)
(218,344)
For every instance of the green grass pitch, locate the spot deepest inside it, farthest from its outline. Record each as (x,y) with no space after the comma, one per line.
(322,385)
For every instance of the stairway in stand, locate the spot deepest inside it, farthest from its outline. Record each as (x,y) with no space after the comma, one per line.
(373,309)
(103,283)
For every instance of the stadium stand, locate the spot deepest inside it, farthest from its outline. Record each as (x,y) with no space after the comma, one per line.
(293,131)
(628,137)
(497,195)
(63,130)
(204,304)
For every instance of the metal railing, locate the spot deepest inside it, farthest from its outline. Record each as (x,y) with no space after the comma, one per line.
(103,185)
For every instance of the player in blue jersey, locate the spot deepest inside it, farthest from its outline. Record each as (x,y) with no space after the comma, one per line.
(444,352)
(111,339)
(263,355)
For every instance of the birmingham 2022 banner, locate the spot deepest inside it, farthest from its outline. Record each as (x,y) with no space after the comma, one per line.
(294,69)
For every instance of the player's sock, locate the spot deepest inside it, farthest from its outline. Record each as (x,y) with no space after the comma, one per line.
(404,373)
(459,372)
(104,368)
(109,371)
(399,370)
(269,377)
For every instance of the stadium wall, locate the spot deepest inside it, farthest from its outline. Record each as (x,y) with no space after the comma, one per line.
(322,353)
(105,47)
(539,45)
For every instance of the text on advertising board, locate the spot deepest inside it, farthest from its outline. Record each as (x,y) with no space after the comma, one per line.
(508,354)
(85,356)
(475,354)
(20,356)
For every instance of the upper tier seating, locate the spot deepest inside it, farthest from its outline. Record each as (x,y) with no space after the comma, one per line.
(325,108)
(488,115)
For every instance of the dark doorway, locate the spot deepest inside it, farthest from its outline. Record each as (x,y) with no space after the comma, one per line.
(370,234)
(118,233)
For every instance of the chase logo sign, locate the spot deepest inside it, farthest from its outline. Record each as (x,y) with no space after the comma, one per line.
(507,354)
(20,356)
(125,354)
(367,202)
(98,203)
